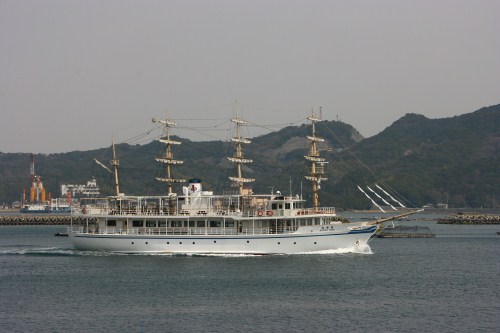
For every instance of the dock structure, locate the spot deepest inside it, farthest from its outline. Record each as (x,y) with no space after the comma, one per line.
(405,232)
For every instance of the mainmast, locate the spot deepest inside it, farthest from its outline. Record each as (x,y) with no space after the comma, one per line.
(167,158)
(239,158)
(317,163)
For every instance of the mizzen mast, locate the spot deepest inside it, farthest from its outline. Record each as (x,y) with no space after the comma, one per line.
(316,169)
(239,158)
(168,156)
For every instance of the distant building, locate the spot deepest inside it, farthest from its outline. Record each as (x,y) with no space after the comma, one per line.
(89,190)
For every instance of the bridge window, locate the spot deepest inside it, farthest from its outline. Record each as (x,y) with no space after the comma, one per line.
(137,223)
(215,224)
(200,224)
(150,224)
(111,223)
(287,205)
(176,224)
(162,224)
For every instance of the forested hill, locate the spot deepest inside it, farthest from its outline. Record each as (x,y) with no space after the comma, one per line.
(273,153)
(455,160)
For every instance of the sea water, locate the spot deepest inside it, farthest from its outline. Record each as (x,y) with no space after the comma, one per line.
(450,283)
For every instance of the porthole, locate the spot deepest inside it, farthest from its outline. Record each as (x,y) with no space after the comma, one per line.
(314,242)
(215,242)
(181,243)
(248,242)
(146,243)
(193,242)
(168,242)
(132,243)
(279,243)
(294,243)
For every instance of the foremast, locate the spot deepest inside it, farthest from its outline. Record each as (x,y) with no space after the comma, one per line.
(238,158)
(115,162)
(168,157)
(316,169)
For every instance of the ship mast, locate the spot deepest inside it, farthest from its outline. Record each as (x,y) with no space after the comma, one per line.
(317,163)
(167,158)
(239,158)
(115,162)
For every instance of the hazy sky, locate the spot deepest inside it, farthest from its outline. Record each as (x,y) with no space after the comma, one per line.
(74,73)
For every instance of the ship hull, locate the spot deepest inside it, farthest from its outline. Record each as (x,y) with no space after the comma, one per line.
(236,244)
(34,209)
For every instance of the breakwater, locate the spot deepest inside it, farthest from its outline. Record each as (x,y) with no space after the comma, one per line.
(470,218)
(43,220)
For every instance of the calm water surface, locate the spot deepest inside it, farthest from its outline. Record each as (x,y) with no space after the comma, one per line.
(450,283)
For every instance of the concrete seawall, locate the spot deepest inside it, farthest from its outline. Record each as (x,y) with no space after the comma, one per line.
(470,218)
(42,220)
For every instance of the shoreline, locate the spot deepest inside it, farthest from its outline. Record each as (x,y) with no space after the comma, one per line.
(451,216)
(448,211)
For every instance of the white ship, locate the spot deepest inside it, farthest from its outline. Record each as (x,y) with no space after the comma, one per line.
(201,222)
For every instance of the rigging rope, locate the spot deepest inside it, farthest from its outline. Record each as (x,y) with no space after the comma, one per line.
(378,179)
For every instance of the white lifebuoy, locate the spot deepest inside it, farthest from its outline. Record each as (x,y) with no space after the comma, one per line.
(260,213)
(269,213)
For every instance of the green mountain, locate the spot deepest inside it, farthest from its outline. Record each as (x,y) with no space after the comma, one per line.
(418,160)
(452,160)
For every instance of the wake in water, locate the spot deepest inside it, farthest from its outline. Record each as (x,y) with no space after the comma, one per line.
(351,250)
(55,251)
(355,250)
(51,252)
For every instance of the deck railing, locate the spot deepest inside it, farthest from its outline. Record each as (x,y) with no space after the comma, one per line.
(103,210)
(169,231)
(319,210)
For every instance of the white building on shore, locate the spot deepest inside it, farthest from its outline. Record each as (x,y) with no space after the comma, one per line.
(89,190)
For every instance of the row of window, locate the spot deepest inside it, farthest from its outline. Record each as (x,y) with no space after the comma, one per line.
(174,224)
(195,224)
